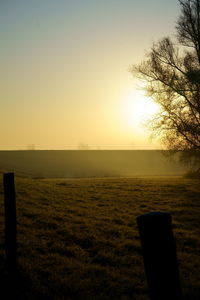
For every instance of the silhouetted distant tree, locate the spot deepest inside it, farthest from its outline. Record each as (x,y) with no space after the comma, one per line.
(83,146)
(171,72)
(31,147)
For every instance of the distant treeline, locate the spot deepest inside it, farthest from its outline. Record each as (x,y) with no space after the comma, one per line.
(90,163)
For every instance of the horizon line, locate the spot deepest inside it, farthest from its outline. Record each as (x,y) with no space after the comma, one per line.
(84,150)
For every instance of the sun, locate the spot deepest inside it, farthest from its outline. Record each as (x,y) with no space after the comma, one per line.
(137,109)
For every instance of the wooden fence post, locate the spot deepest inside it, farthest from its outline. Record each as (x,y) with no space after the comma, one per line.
(10,221)
(159,254)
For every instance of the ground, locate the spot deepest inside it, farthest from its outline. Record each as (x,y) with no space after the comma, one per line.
(78,238)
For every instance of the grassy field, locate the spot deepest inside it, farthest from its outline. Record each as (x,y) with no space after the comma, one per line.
(91,163)
(78,238)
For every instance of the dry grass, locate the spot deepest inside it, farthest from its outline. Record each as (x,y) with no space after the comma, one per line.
(78,238)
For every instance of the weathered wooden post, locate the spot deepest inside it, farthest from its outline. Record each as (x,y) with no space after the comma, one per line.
(159,254)
(10,221)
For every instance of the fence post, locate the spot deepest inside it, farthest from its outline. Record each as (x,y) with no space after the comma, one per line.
(10,221)
(159,255)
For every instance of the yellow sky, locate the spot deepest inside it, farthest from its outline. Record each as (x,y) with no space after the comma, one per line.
(64,71)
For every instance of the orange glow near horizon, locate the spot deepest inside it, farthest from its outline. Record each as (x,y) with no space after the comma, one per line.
(64,72)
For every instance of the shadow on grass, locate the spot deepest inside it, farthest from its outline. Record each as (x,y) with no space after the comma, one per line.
(16,284)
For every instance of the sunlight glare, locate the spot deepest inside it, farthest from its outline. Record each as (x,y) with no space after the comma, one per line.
(137,109)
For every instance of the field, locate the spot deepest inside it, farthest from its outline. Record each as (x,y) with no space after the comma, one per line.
(78,238)
(91,163)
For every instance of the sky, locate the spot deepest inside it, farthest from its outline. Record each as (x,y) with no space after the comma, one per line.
(64,76)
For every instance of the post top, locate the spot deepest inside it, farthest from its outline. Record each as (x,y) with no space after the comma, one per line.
(8,174)
(154,217)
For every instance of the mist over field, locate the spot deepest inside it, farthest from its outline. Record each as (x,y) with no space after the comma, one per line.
(91,163)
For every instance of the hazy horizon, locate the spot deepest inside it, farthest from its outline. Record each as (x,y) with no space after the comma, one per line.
(91,163)
(64,72)
(89,149)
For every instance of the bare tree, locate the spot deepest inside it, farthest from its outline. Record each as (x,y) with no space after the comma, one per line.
(31,147)
(171,73)
(83,146)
